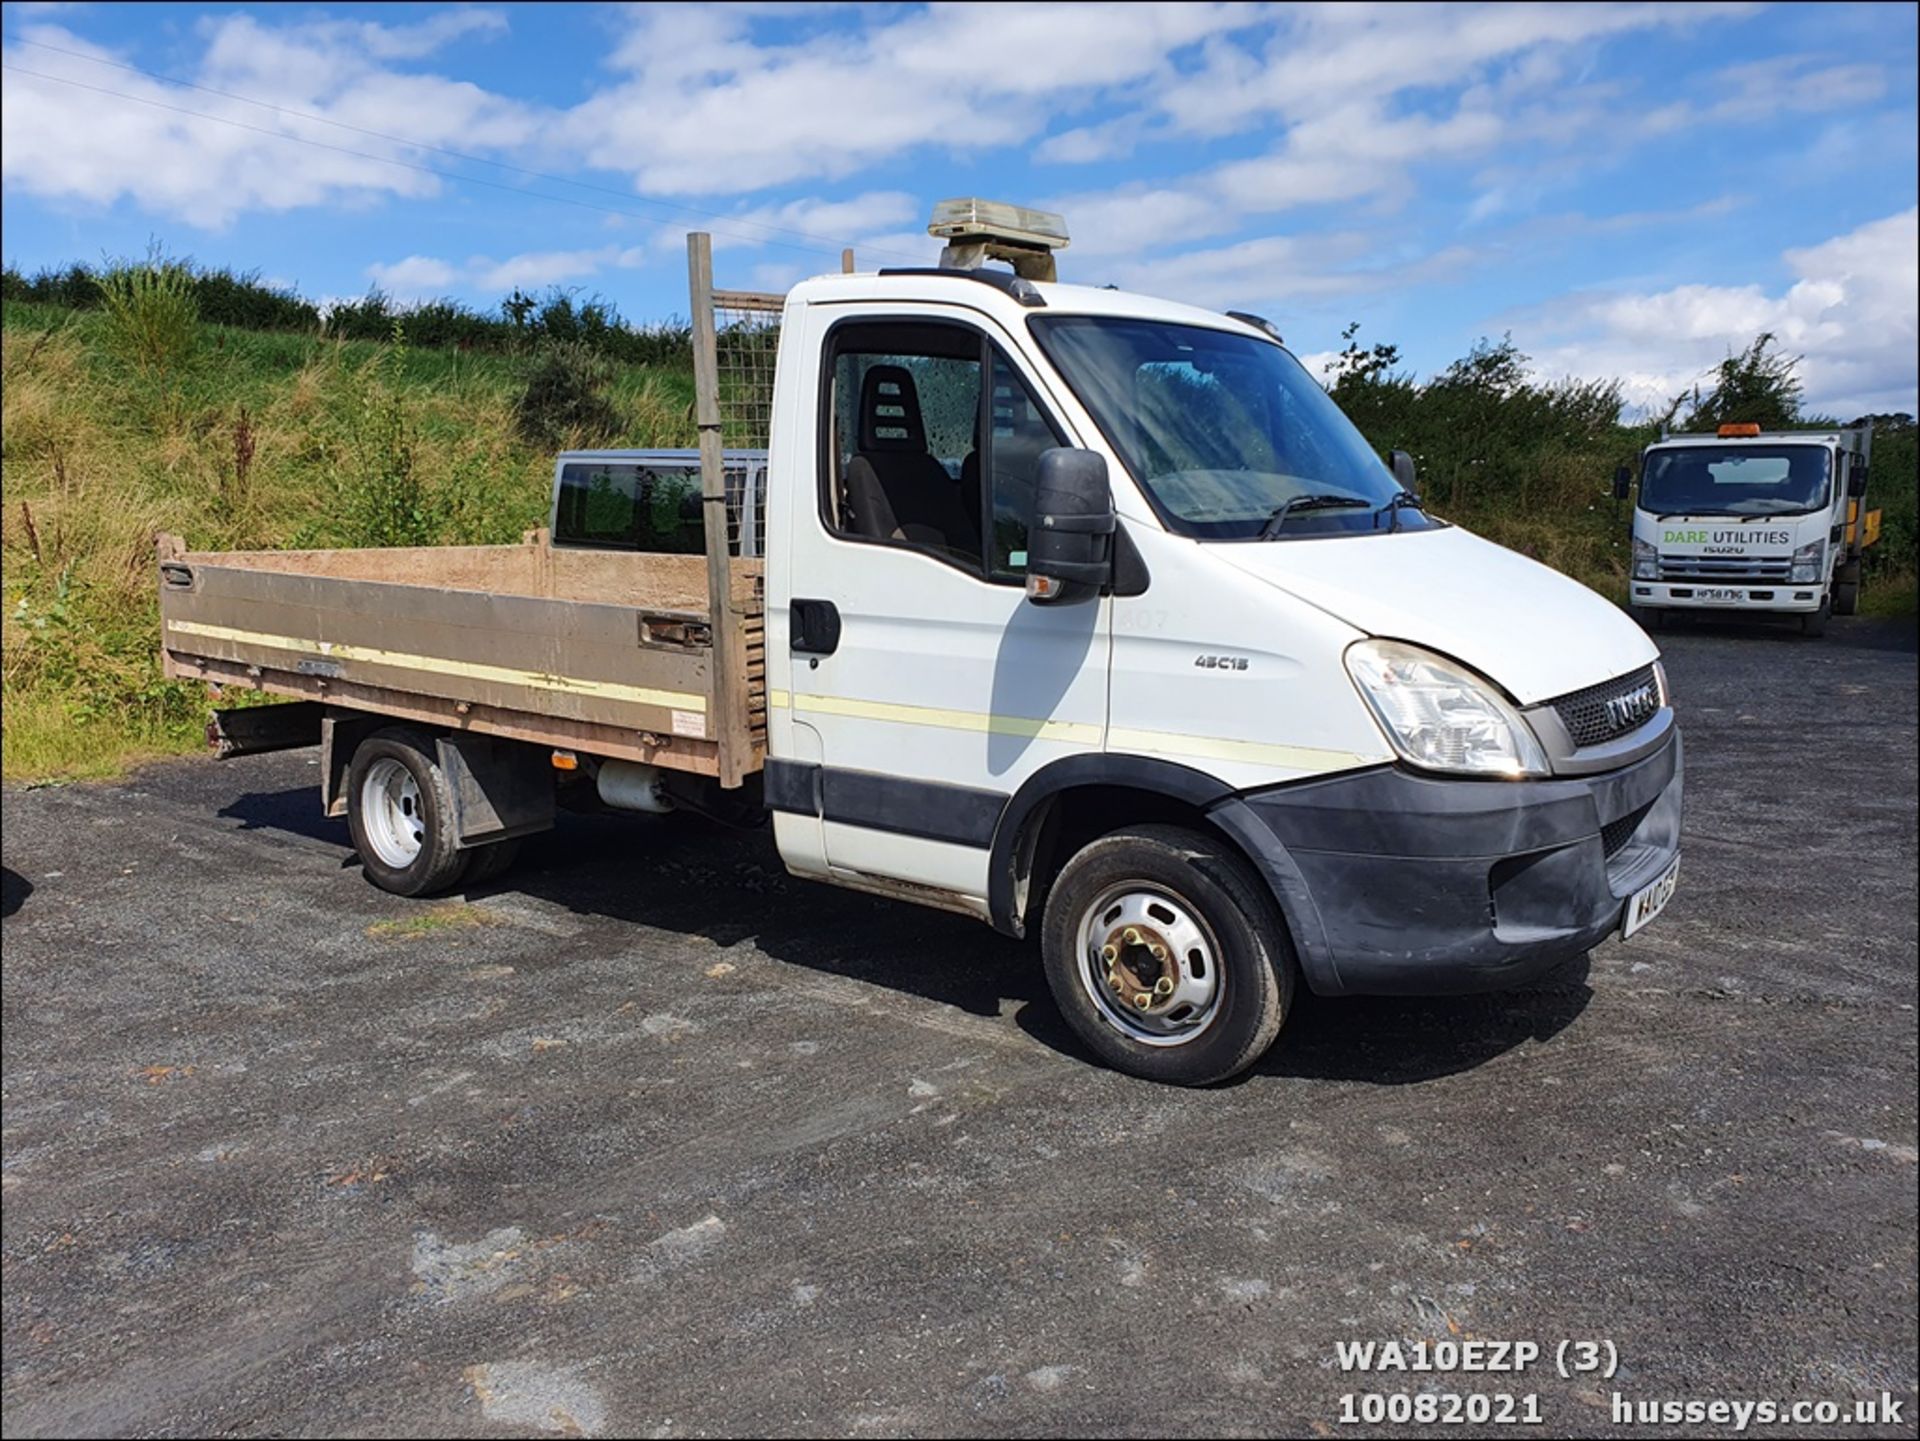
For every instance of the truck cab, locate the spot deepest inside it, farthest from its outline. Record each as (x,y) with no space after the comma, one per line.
(1068,580)
(1080,612)
(1750,521)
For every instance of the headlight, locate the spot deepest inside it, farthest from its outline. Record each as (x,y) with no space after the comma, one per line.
(1808,562)
(1660,685)
(1646,560)
(1441,716)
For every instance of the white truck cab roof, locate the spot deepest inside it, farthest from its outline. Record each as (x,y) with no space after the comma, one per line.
(984,290)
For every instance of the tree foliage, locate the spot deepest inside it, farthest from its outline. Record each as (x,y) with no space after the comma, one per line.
(1759,385)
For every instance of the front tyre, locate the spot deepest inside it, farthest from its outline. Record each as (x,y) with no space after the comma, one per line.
(1815,622)
(1167,955)
(1846,589)
(400,812)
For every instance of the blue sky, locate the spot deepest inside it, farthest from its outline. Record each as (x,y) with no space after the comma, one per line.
(1629,189)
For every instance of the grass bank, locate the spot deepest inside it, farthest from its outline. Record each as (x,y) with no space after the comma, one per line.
(249,439)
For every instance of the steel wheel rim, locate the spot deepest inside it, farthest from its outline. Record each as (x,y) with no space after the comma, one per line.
(1116,945)
(391,814)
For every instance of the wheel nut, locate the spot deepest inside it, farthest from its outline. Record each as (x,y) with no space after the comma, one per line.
(1159,953)
(1142,1000)
(1116,983)
(1109,954)
(1132,937)
(1163,986)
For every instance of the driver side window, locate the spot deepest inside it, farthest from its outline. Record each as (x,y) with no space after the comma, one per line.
(934,440)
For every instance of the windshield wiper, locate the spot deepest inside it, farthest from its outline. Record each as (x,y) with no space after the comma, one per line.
(1401,500)
(1278,520)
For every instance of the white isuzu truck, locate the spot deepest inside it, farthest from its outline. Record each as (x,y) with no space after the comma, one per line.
(1086,614)
(1747,520)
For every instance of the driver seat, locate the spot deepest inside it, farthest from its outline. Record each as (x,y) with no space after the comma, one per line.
(896,489)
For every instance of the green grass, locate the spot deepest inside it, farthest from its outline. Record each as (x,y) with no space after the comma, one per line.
(254,439)
(451,916)
(1894,596)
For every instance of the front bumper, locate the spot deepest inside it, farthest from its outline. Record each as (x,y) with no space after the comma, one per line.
(1769,596)
(1399,883)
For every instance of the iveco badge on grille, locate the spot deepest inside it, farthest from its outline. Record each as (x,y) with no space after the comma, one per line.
(1625,712)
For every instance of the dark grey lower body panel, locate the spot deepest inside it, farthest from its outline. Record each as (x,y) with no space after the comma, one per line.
(1395,883)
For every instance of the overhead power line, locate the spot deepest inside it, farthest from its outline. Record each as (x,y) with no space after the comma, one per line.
(719,223)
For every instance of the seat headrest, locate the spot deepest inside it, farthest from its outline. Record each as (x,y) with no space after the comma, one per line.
(890,411)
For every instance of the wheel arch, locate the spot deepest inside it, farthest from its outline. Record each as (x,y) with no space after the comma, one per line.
(1070,801)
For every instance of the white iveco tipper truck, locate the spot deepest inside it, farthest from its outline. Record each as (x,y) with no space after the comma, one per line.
(1080,612)
(1746,520)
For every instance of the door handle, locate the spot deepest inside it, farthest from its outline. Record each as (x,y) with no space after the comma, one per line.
(814,627)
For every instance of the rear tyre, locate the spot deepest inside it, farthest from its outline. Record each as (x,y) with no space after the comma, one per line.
(1815,622)
(1846,589)
(400,811)
(491,861)
(1167,955)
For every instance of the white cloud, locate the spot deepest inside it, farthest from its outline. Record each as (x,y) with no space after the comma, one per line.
(1853,313)
(1283,273)
(538,269)
(76,142)
(820,223)
(707,110)
(418,277)
(1323,56)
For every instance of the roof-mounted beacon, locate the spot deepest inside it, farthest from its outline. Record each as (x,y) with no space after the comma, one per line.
(977,231)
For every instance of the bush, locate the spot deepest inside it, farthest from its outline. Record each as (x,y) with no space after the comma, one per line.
(248,303)
(153,317)
(524,321)
(565,401)
(382,499)
(1758,385)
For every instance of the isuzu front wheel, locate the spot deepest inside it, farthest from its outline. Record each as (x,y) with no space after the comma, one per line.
(1167,955)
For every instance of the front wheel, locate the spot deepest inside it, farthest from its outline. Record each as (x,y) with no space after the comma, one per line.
(1815,622)
(1846,589)
(1167,955)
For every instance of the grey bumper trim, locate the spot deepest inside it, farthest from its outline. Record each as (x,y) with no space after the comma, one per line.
(1394,882)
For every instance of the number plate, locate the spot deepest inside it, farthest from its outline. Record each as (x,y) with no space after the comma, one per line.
(1650,900)
(1720,596)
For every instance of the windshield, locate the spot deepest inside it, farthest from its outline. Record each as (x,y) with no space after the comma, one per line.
(1224,431)
(1734,480)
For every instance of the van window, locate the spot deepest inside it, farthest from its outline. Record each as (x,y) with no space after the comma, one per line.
(629,506)
(920,450)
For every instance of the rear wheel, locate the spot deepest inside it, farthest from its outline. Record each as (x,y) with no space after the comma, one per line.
(400,812)
(1167,956)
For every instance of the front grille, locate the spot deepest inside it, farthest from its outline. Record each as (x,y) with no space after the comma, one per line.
(1605,712)
(1615,834)
(1731,570)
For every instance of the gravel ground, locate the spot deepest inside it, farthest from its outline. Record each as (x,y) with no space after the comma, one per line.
(649,1138)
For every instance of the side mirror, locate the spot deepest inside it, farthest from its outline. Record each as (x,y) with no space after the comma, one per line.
(1070,544)
(1401,464)
(1857,482)
(1622,482)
